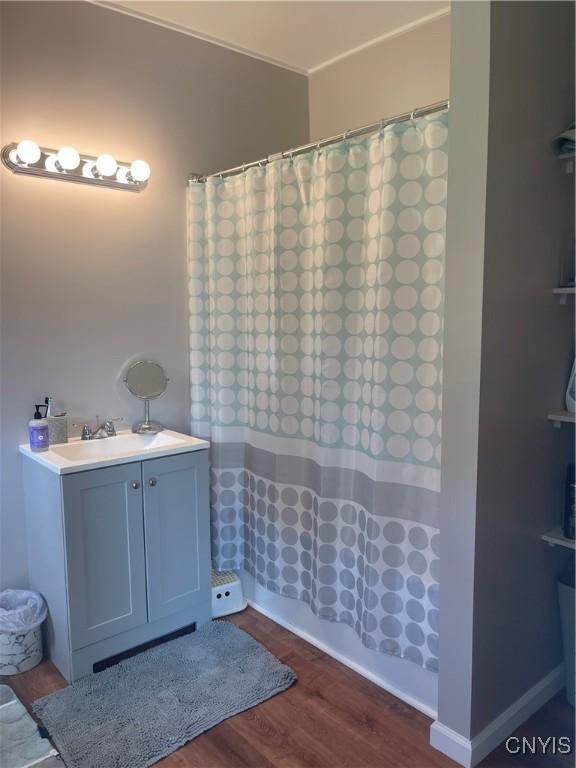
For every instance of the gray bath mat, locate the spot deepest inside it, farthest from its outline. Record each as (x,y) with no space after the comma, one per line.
(133,714)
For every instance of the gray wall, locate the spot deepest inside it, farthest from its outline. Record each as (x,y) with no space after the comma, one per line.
(92,277)
(527,353)
(386,79)
(508,348)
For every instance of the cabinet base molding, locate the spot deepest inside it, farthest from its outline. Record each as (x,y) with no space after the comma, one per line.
(84,659)
(111,661)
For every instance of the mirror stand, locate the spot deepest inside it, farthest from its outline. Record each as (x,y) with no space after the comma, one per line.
(146,380)
(147,427)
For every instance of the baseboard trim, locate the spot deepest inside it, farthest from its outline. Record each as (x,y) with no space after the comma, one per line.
(451,743)
(469,752)
(397,692)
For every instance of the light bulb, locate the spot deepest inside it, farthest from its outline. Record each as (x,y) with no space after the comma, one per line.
(122,174)
(28,151)
(88,170)
(50,163)
(106,165)
(140,170)
(68,158)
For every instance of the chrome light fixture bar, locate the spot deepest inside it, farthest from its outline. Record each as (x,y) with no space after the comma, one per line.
(67,164)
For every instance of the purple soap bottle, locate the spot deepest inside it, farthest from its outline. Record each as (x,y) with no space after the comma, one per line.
(38,431)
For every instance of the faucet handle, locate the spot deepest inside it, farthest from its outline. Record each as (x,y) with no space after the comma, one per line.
(109,425)
(86,433)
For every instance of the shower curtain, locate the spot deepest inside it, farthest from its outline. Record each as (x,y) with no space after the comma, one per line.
(316,294)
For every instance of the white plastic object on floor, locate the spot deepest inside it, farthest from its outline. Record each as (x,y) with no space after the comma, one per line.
(227,595)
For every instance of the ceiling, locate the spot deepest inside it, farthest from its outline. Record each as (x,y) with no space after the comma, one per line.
(303,35)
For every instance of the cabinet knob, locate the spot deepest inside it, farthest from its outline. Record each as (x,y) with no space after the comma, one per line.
(152,481)
(135,485)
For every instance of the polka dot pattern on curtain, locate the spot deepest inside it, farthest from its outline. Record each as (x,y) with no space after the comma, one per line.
(316,315)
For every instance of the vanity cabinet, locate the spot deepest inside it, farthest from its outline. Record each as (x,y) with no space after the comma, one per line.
(121,554)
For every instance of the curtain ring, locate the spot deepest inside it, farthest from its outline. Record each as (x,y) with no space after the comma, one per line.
(412,114)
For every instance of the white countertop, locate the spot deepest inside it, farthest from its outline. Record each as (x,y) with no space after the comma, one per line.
(79,455)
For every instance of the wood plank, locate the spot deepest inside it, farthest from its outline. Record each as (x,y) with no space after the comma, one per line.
(228,749)
(313,738)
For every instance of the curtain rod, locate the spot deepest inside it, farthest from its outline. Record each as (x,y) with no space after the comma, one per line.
(438,106)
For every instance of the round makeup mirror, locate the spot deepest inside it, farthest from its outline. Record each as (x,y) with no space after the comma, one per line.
(146,380)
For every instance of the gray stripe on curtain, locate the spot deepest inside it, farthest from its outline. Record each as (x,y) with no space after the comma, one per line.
(381,498)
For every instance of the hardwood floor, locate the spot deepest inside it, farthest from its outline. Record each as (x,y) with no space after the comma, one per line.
(331,718)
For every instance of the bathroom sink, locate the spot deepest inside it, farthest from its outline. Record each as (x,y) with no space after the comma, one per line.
(78,455)
(116,446)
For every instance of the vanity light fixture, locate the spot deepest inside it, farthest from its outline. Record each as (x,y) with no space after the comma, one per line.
(68,164)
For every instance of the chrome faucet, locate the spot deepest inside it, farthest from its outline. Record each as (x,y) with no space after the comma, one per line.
(106,429)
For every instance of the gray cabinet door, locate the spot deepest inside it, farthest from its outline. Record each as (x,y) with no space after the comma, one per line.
(177,527)
(104,552)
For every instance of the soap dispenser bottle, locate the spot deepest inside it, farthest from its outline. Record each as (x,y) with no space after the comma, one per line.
(38,431)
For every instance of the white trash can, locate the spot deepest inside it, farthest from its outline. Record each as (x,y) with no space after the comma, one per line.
(21,615)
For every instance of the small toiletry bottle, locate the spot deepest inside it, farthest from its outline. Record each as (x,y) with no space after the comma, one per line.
(38,431)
